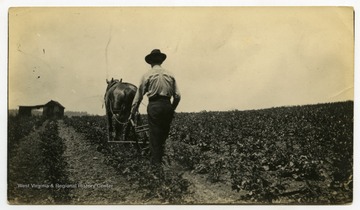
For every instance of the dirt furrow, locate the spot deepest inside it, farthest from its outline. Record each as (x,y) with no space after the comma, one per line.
(205,193)
(92,181)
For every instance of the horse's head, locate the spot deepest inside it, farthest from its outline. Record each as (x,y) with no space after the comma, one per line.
(112,82)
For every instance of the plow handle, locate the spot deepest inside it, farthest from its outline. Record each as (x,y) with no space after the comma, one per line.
(132,122)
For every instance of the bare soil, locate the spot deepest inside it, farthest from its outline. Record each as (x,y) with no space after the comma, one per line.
(202,192)
(97,182)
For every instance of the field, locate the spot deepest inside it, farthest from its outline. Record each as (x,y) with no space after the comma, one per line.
(285,155)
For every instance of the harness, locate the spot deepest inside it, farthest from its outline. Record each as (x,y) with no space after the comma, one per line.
(111,109)
(123,123)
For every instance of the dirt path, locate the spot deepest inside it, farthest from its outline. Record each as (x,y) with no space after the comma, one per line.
(201,190)
(93,182)
(204,192)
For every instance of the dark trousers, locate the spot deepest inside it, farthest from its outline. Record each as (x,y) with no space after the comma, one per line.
(160,115)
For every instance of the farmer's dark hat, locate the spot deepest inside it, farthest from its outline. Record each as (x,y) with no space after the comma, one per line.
(155,57)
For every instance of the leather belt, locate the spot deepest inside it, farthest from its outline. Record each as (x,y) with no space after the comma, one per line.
(159,97)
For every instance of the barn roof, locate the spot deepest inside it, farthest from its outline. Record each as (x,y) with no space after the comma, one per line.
(54,102)
(41,106)
(33,107)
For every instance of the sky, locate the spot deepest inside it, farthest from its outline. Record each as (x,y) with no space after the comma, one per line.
(223,58)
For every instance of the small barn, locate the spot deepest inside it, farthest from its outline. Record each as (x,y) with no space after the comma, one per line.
(27,110)
(51,109)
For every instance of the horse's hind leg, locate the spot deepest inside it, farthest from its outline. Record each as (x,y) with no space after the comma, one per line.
(127,131)
(118,130)
(110,126)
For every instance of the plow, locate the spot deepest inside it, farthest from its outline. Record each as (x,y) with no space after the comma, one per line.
(140,134)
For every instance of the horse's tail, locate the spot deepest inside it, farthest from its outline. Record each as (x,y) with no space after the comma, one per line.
(104,101)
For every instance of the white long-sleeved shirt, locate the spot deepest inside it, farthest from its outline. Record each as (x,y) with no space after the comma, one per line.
(157,82)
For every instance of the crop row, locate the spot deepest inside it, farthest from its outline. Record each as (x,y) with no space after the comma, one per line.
(267,151)
(54,163)
(36,162)
(19,127)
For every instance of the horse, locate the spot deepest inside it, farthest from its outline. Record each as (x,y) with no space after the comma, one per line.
(118,100)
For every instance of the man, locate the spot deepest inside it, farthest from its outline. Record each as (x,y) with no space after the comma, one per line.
(160,86)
